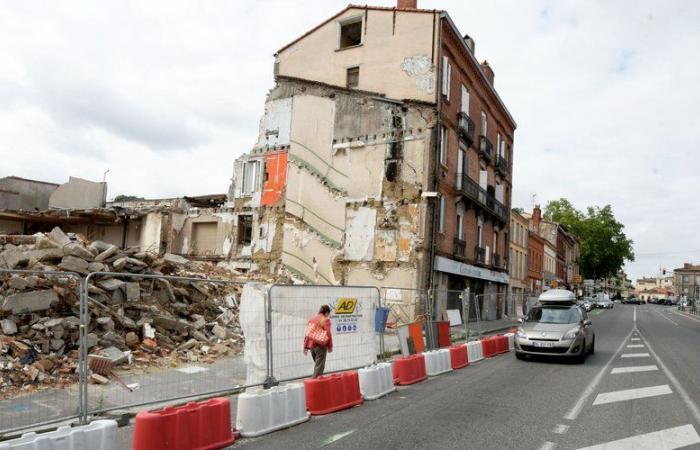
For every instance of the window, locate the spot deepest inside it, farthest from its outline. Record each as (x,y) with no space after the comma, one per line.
(446,77)
(350,33)
(484,123)
(495,242)
(245,229)
(443,145)
(461,165)
(250,177)
(441,222)
(352,78)
(502,149)
(465,100)
(498,141)
(460,226)
(479,232)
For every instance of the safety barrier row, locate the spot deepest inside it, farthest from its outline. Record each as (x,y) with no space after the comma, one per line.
(261,411)
(98,435)
(437,362)
(376,381)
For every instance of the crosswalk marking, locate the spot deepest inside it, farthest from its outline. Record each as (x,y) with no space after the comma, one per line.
(635,339)
(631,394)
(634,355)
(668,439)
(635,346)
(560,429)
(633,369)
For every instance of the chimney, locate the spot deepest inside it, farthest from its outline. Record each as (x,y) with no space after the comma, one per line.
(470,43)
(407,4)
(536,218)
(487,71)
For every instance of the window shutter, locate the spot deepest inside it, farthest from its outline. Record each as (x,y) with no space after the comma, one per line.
(465,100)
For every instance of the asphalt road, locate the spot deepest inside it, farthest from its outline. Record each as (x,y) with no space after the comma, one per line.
(644,401)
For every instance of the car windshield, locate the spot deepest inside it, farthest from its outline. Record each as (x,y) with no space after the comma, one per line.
(553,314)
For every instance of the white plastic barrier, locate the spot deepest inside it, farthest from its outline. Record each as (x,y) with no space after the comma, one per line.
(376,380)
(437,362)
(261,411)
(475,351)
(511,341)
(97,435)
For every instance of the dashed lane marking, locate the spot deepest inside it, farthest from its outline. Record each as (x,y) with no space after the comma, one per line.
(337,437)
(635,339)
(631,394)
(634,355)
(560,429)
(668,439)
(665,317)
(635,346)
(548,446)
(633,369)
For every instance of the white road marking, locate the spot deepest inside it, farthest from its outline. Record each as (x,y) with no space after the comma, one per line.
(635,346)
(578,406)
(560,429)
(633,369)
(634,339)
(192,369)
(631,394)
(548,446)
(692,407)
(337,437)
(634,319)
(661,440)
(664,316)
(634,355)
(686,316)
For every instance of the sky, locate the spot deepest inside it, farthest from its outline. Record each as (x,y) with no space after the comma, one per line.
(166,94)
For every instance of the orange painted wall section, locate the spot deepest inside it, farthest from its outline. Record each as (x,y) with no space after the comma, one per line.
(275,178)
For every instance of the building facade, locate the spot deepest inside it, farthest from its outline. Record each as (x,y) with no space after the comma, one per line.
(535,263)
(383,158)
(518,258)
(686,282)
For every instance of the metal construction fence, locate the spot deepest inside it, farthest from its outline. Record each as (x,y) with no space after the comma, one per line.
(154,339)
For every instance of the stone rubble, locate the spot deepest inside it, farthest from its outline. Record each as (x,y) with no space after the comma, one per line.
(133,322)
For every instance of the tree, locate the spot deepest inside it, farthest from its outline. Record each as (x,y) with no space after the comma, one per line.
(126,198)
(604,245)
(517,210)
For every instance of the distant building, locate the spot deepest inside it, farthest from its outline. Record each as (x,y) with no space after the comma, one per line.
(686,281)
(535,263)
(518,258)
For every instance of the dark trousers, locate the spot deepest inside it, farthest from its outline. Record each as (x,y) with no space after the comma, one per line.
(318,354)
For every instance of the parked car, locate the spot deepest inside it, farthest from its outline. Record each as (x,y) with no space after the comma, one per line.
(587,304)
(633,301)
(604,303)
(556,326)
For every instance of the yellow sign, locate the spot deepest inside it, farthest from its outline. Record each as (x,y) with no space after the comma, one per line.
(554,284)
(577,279)
(345,305)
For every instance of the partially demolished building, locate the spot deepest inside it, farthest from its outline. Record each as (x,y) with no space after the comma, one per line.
(368,169)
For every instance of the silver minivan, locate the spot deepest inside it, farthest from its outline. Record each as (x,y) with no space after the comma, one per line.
(555,326)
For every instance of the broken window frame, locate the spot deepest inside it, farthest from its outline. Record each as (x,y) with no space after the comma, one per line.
(347,22)
(355,76)
(250,178)
(245,221)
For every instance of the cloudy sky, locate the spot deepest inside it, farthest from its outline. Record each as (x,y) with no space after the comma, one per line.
(166,94)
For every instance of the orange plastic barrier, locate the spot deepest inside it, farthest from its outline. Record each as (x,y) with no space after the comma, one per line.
(444,338)
(459,356)
(194,426)
(409,369)
(415,330)
(488,345)
(330,393)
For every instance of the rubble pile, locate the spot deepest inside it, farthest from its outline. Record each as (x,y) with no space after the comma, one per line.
(134,322)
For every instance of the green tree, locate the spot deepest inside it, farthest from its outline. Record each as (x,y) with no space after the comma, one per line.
(126,198)
(604,245)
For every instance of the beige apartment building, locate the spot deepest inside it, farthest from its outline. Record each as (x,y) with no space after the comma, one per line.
(519,236)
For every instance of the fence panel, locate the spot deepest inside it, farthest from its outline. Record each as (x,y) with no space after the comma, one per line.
(355,341)
(39,348)
(178,338)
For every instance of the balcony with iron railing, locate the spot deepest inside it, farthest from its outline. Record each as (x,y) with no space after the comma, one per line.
(460,248)
(466,128)
(501,165)
(480,255)
(485,148)
(481,197)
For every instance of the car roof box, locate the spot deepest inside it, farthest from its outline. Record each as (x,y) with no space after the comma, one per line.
(557,296)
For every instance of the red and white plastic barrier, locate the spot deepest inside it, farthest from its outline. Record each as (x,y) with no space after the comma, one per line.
(330,393)
(511,341)
(409,369)
(97,435)
(437,362)
(475,351)
(261,411)
(376,380)
(459,356)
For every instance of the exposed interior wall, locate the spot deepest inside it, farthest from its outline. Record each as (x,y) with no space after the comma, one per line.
(79,194)
(394,57)
(29,195)
(11,227)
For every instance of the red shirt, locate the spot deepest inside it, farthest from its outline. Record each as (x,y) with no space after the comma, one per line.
(325,322)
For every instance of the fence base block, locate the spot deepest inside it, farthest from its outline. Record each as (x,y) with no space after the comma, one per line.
(98,435)
(376,381)
(409,370)
(262,411)
(511,341)
(459,356)
(331,393)
(474,351)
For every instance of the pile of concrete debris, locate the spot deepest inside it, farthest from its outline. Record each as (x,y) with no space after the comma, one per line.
(133,321)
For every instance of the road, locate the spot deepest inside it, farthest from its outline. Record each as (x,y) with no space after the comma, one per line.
(639,390)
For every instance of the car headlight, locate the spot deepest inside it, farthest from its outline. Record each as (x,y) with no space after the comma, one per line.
(571,334)
(520,334)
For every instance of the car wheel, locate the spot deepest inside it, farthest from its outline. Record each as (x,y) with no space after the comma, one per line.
(591,350)
(520,356)
(581,357)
